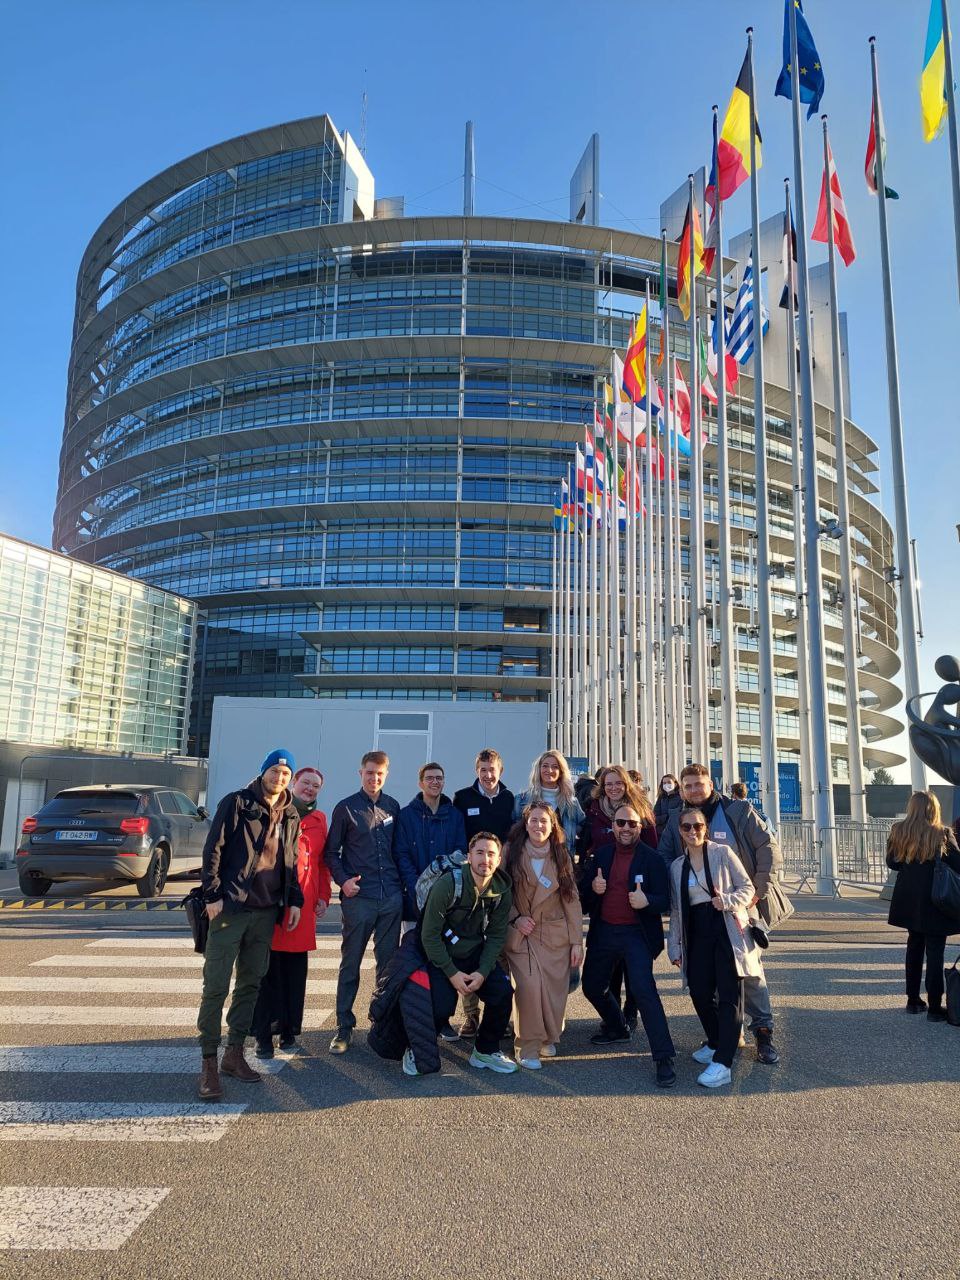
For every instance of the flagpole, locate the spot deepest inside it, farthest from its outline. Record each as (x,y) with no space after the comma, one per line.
(605,614)
(769,780)
(575,711)
(803,656)
(700,742)
(952,128)
(819,721)
(903,571)
(681,634)
(669,762)
(659,630)
(729,753)
(562,665)
(633,692)
(554,648)
(595,623)
(616,723)
(582,739)
(858,795)
(649,596)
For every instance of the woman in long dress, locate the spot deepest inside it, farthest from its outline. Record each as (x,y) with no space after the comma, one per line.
(545,937)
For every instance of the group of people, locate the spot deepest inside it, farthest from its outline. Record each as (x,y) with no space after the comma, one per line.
(482,899)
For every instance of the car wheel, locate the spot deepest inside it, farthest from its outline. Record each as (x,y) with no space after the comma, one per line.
(33,886)
(150,884)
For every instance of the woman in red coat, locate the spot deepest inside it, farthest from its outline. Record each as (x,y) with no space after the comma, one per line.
(284,988)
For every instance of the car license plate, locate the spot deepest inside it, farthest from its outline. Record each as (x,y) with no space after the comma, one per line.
(77,835)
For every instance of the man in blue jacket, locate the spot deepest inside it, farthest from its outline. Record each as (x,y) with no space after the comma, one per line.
(428,826)
(625,890)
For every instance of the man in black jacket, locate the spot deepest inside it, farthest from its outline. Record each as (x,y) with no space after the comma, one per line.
(249,877)
(625,891)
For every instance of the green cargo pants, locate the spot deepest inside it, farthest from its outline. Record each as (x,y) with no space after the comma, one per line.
(241,938)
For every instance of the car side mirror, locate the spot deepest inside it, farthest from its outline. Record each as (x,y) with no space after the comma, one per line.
(203,812)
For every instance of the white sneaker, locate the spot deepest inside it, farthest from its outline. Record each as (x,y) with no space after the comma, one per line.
(531,1064)
(409,1063)
(714,1076)
(704,1054)
(548,1051)
(497,1061)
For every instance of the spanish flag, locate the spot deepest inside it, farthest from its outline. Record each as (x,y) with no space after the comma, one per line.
(933,88)
(635,362)
(733,149)
(686,276)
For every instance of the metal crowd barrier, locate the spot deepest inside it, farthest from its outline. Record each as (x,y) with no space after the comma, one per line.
(861,849)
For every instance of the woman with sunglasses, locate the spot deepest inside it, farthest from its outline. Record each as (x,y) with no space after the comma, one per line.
(711,942)
(545,937)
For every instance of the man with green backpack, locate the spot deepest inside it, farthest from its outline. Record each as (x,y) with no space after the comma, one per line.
(462,932)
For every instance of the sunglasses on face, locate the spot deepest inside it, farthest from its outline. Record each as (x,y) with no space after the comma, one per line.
(626,822)
(693,826)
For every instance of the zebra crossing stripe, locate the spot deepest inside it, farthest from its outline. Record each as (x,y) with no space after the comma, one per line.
(97,1059)
(188,960)
(96,984)
(165,941)
(117,1121)
(62,1218)
(96,1015)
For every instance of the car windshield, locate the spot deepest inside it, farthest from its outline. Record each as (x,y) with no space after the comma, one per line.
(78,804)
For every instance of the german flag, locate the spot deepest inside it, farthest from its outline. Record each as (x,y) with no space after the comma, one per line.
(733,150)
(686,277)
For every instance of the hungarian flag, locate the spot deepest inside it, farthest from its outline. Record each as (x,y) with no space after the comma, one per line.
(635,363)
(870,164)
(689,259)
(841,226)
(733,148)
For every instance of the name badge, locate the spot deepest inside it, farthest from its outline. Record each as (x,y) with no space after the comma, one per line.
(547,883)
(639,880)
(387,820)
(473,813)
(720,835)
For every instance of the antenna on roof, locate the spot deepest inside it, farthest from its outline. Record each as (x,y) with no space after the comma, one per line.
(363,119)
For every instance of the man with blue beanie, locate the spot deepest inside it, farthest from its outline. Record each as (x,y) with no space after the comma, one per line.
(249,877)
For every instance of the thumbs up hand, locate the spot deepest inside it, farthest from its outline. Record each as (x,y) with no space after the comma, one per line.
(599,884)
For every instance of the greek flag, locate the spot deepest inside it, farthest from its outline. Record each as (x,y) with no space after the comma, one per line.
(740,332)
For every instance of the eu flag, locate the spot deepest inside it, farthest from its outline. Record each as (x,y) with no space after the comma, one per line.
(811,72)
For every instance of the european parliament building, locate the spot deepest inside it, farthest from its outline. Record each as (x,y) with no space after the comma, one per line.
(340,430)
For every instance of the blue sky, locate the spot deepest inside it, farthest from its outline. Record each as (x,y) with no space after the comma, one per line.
(100,95)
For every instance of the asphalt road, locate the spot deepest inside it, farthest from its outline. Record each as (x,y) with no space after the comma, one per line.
(841,1162)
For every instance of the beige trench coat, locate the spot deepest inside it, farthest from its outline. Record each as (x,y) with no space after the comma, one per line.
(540,963)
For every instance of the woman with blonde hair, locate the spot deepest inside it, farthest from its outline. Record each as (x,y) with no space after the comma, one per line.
(551,780)
(913,847)
(545,937)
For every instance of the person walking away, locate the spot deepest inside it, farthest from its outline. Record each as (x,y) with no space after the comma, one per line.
(428,827)
(545,938)
(668,801)
(913,847)
(710,941)
(625,892)
(551,780)
(283,991)
(465,919)
(359,856)
(249,880)
(736,823)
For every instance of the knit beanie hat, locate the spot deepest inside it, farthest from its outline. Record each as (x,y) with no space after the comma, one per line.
(280,756)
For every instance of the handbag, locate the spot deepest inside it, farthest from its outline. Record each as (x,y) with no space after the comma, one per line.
(197,918)
(951,982)
(759,935)
(945,893)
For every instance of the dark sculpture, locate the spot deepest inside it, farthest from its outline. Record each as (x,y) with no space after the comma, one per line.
(935,737)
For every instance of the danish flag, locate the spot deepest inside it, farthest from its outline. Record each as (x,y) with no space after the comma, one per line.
(841,227)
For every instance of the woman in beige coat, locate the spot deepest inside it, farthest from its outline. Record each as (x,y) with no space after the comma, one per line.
(711,940)
(545,937)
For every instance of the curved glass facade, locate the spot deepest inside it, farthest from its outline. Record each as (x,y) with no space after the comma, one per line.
(342,435)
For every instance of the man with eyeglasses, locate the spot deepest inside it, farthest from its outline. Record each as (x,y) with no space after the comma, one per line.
(625,891)
(736,823)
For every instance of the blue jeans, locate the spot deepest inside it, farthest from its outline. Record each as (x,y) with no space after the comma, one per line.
(363,917)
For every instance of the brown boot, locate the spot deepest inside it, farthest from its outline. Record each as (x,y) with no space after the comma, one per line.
(235,1064)
(210,1089)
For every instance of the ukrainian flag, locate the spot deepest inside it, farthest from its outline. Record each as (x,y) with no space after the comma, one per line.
(933,88)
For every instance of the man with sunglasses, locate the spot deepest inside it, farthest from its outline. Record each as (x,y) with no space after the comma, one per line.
(625,891)
(736,823)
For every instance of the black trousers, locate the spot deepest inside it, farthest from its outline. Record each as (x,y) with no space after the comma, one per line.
(715,986)
(496,996)
(282,995)
(933,944)
(607,946)
(617,980)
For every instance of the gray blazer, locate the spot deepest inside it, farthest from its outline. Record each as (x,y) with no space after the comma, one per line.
(755,845)
(736,889)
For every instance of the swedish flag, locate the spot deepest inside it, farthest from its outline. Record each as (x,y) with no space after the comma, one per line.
(811,72)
